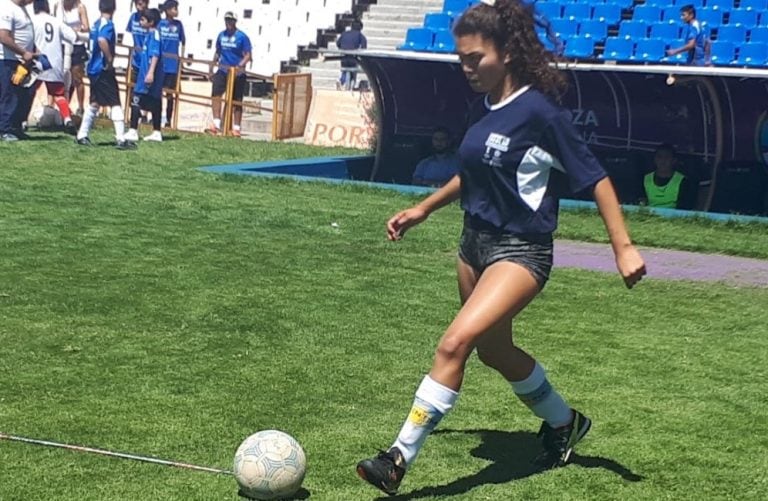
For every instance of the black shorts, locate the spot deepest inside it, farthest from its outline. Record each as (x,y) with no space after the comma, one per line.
(104,89)
(146,102)
(220,86)
(79,55)
(169,80)
(480,249)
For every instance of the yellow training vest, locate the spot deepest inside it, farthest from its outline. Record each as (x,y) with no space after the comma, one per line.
(663,196)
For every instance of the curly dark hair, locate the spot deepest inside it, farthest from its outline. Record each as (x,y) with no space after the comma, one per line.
(510,25)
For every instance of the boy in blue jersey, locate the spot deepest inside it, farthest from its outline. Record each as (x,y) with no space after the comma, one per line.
(233,50)
(696,40)
(148,92)
(519,149)
(172,38)
(101,72)
(137,35)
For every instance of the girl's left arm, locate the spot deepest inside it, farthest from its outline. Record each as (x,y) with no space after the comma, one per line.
(628,260)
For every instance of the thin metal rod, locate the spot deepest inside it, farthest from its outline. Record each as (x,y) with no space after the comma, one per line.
(122,455)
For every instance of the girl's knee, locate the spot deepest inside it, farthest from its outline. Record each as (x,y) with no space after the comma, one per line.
(455,347)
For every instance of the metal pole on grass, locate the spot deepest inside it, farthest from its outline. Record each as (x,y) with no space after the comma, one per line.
(122,455)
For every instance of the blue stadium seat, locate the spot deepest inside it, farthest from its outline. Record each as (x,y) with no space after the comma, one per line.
(444,42)
(454,8)
(758,5)
(647,13)
(418,39)
(650,49)
(666,31)
(577,11)
(723,52)
(564,28)
(593,28)
(608,12)
(546,42)
(624,4)
(550,10)
(580,47)
(712,17)
(633,29)
(753,54)
(729,33)
(618,48)
(671,14)
(743,17)
(696,3)
(438,21)
(759,34)
(720,4)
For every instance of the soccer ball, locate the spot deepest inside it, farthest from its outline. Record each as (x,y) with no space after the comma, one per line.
(48,118)
(269,464)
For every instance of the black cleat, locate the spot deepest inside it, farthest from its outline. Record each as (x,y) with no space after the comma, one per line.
(125,145)
(558,443)
(385,471)
(83,141)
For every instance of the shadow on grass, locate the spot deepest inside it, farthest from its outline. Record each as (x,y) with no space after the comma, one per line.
(511,455)
(300,494)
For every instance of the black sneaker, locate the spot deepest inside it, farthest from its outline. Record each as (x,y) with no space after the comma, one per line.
(385,471)
(125,145)
(83,141)
(558,443)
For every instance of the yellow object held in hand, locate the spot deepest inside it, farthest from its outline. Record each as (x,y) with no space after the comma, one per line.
(19,75)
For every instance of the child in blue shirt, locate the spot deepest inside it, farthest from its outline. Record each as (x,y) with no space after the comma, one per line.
(172,38)
(519,151)
(101,73)
(233,50)
(148,91)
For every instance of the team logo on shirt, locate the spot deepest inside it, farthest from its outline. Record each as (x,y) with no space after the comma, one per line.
(495,146)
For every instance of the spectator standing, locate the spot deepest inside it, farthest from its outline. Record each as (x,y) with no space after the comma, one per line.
(74,14)
(696,42)
(148,92)
(172,38)
(101,73)
(352,39)
(233,50)
(17,45)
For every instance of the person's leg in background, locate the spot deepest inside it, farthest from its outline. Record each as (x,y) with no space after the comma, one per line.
(9,100)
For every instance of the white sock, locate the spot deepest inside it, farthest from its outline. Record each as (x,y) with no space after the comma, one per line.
(432,402)
(235,127)
(546,403)
(118,120)
(217,123)
(88,118)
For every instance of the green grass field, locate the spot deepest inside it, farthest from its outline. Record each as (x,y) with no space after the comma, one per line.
(148,307)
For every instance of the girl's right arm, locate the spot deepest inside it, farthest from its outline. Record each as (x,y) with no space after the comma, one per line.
(402,221)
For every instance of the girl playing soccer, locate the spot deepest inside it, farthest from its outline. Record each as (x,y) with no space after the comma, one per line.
(519,148)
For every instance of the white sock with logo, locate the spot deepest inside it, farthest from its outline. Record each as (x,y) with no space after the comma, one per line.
(432,402)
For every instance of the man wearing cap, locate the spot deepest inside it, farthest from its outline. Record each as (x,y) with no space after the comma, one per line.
(17,45)
(233,49)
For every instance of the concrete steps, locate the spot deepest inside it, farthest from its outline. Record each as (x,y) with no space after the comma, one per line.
(385,25)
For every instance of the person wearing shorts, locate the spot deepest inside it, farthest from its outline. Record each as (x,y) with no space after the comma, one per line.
(101,73)
(172,39)
(520,150)
(74,14)
(233,50)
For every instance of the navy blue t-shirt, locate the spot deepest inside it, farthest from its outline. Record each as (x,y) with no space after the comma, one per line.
(138,34)
(516,157)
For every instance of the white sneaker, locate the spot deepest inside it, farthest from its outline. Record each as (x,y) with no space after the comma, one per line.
(131,135)
(156,136)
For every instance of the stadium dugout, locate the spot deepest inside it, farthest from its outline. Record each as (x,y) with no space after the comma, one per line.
(717,117)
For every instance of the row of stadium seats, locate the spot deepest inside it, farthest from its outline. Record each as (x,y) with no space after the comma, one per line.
(752,54)
(614,30)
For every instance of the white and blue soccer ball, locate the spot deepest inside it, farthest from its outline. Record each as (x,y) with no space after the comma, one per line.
(269,464)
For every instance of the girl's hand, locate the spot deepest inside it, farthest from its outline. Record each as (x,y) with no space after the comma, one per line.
(631,265)
(402,221)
